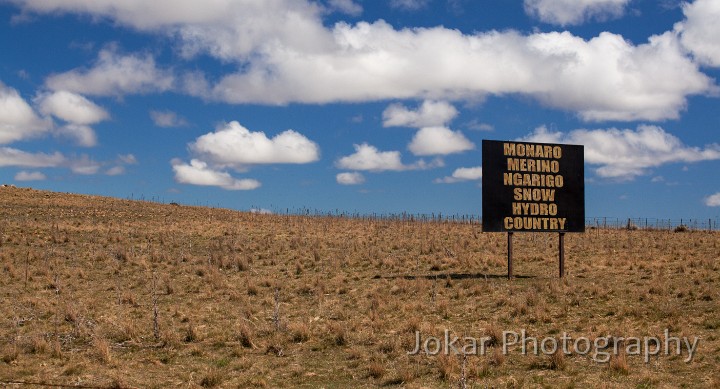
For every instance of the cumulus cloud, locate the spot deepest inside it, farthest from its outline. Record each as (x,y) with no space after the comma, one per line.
(84,165)
(71,108)
(626,153)
(226,29)
(167,119)
(439,141)
(120,163)
(700,29)
(18,120)
(462,174)
(78,111)
(82,135)
(350,178)
(114,74)
(199,173)
(13,157)
(346,6)
(604,78)
(713,200)
(286,54)
(29,176)
(234,145)
(369,158)
(429,114)
(570,12)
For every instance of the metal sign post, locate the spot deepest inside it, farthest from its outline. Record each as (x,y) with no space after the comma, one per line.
(561,248)
(510,273)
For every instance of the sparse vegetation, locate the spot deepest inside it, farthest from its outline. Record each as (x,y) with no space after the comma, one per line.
(99,291)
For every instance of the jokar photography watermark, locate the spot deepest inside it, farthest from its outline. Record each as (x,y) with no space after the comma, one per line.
(600,348)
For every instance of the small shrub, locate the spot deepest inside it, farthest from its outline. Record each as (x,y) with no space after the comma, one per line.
(102,350)
(557,360)
(10,353)
(190,334)
(618,364)
(37,345)
(299,332)
(212,379)
(495,335)
(376,370)
(244,336)
(446,365)
(338,336)
(498,358)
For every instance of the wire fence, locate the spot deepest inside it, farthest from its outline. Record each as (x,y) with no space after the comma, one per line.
(604,222)
(645,223)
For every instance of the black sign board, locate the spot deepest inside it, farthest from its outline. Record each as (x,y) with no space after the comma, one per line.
(532,187)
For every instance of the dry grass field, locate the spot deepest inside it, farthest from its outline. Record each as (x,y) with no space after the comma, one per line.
(114,293)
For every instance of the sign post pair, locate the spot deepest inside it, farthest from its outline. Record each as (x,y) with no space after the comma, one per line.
(533,187)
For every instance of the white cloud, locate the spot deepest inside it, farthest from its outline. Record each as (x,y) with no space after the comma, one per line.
(14,157)
(625,154)
(462,174)
(17,118)
(569,12)
(713,200)
(84,165)
(226,29)
(167,119)
(120,163)
(234,145)
(410,5)
(700,30)
(82,135)
(605,78)
(367,157)
(475,125)
(114,74)
(198,173)
(115,171)
(71,108)
(429,114)
(29,176)
(286,54)
(346,6)
(350,178)
(613,80)
(127,159)
(78,111)
(439,141)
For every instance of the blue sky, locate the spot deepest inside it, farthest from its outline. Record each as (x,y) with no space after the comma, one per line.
(359,106)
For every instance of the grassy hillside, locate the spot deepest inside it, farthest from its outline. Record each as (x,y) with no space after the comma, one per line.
(114,293)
